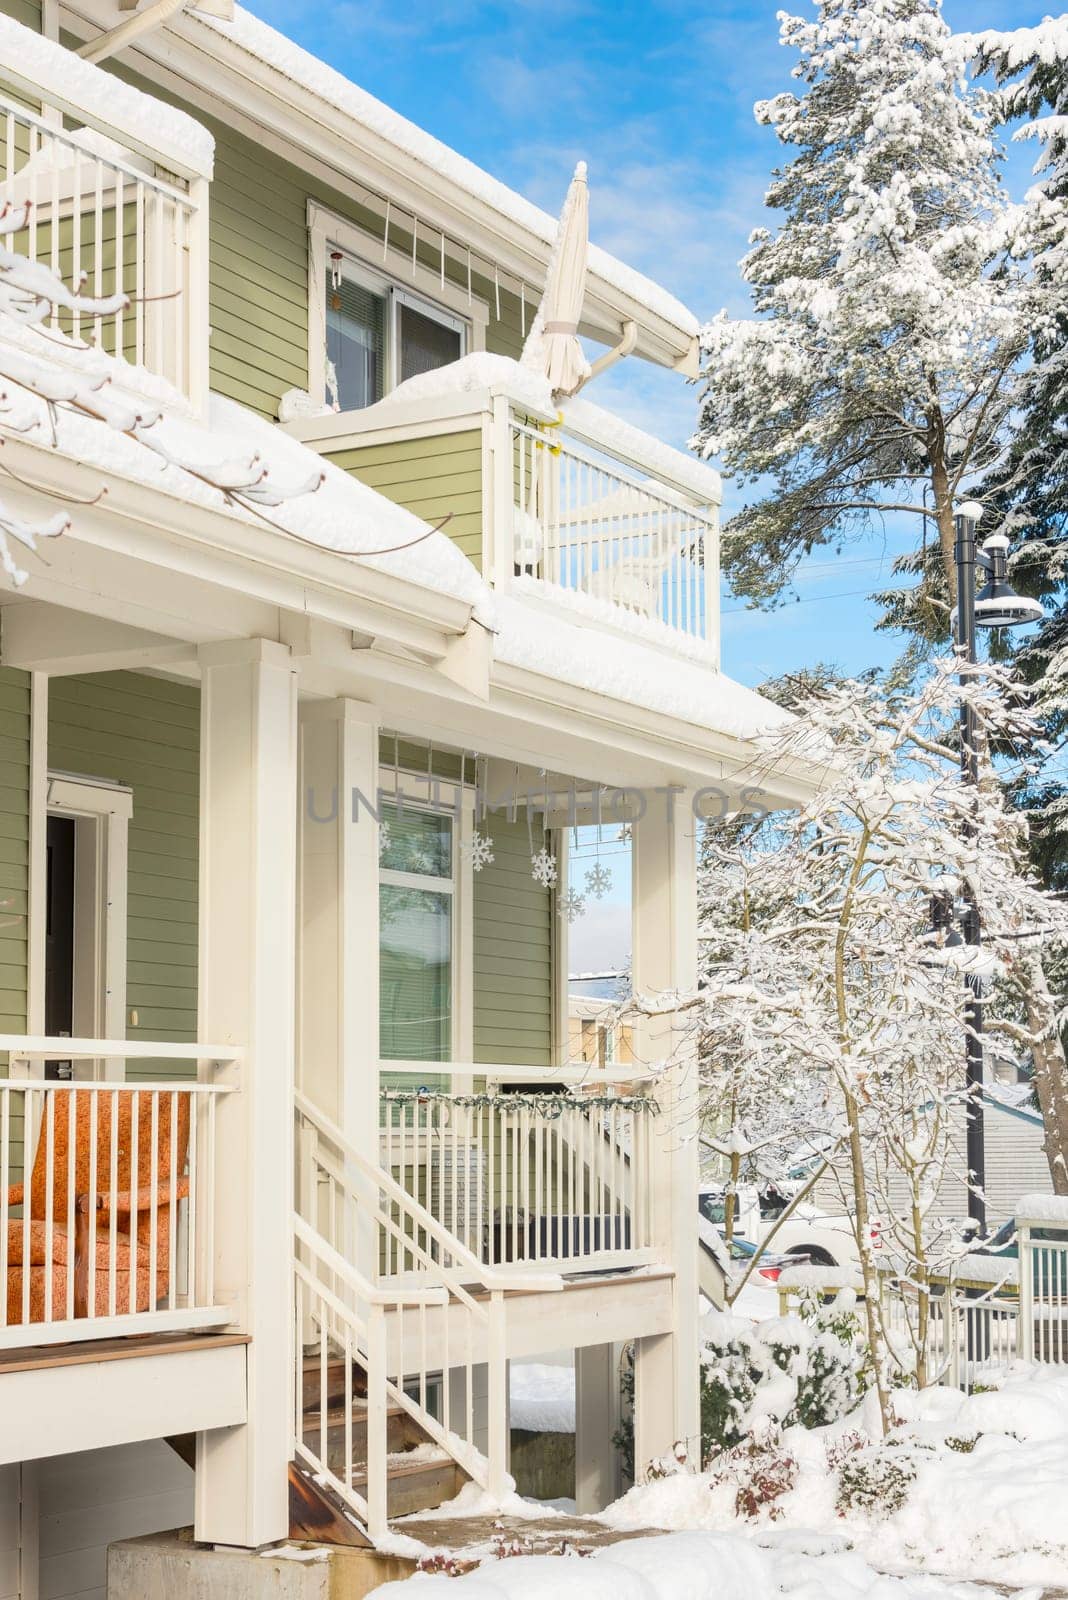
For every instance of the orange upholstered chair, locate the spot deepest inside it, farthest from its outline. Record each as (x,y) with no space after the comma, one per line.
(123,1179)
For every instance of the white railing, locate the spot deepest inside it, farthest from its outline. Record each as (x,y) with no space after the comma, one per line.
(587,521)
(107,1203)
(551,1178)
(418,1333)
(105,221)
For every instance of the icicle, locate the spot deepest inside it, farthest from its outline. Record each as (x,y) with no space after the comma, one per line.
(523,306)
(443,258)
(497,290)
(385,230)
(415,239)
(469,274)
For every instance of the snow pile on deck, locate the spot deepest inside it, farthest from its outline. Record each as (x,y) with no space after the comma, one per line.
(334,89)
(342,515)
(478,373)
(982,1481)
(627,669)
(103,96)
(684,1566)
(541,1398)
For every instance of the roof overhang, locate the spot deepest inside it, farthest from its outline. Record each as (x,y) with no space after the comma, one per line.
(212,70)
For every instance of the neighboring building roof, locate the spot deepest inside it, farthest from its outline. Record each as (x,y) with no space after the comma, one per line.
(333,89)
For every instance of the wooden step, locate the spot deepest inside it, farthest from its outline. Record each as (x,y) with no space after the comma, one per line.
(402,1433)
(318,1516)
(311,1383)
(422,1486)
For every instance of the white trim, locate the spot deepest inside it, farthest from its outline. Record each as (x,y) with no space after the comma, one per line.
(388,271)
(100,894)
(37,899)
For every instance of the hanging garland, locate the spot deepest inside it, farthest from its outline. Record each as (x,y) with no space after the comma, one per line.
(550,1106)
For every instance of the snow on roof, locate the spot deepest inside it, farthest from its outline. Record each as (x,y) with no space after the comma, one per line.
(103,97)
(272,48)
(342,515)
(628,670)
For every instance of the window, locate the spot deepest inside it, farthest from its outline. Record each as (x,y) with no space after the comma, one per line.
(378,335)
(416,934)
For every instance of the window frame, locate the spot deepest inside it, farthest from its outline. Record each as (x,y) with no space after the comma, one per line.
(456,802)
(396,278)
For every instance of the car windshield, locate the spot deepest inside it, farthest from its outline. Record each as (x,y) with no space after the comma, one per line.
(1005,1236)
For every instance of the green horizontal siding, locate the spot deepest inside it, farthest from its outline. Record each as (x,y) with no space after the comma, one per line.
(434,477)
(28,12)
(513,960)
(145,732)
(14,846)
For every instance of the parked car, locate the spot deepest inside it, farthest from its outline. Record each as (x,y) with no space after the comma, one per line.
(742,1251)
(823,1239)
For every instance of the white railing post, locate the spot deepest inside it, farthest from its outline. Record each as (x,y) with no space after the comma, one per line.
(497,1397)
(499,562)
(1025,1333)
(377,1422)
(198,315)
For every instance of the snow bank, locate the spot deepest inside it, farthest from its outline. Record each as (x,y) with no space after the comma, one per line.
(326,84)
(622,669)
(343,515)
(104,97)
(821,1278)
(542,1398)
(684,1566)
(986,1500)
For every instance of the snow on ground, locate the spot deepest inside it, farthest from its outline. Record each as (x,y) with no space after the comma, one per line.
(686,1566)
(542,1397)
(986,1501)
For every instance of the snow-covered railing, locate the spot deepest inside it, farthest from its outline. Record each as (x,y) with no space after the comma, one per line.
(123,227)
(587,518)
(540,1176)
(107,1196)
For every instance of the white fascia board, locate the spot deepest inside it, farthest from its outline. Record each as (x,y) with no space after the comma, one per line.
(206,58)
(153,524)
(331,431)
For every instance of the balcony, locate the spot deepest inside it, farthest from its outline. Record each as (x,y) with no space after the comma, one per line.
(575,502)
(114,189)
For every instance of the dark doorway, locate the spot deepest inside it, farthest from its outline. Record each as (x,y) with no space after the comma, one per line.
(59,938)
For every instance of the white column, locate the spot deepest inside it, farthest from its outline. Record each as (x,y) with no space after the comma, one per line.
(664,945)
(596,1420)
(338,1026)
(248,834)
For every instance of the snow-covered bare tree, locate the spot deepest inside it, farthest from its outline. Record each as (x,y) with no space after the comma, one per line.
(894,305)
(844,977)
(36,384)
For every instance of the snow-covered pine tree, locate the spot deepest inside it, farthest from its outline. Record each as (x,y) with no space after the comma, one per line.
(895,302)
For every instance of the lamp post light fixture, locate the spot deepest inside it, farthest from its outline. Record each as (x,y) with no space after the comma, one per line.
(997,605)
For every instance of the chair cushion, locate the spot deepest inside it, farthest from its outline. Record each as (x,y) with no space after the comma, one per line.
(62,1250)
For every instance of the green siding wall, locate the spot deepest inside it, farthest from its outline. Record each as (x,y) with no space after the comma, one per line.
(14,845)
(28,12)
(513,931)
(431,477)
(145,732)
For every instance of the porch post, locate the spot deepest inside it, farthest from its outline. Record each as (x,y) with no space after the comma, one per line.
(596,1421)
(338,897)
(664,944)
(248,783)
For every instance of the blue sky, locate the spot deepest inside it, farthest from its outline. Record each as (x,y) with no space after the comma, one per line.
(658,98)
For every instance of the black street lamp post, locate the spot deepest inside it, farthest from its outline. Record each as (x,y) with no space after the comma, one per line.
(996,606)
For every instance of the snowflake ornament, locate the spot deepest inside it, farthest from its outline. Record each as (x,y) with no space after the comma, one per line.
(598,881)
(479,849)
(543,868)
(571,904)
